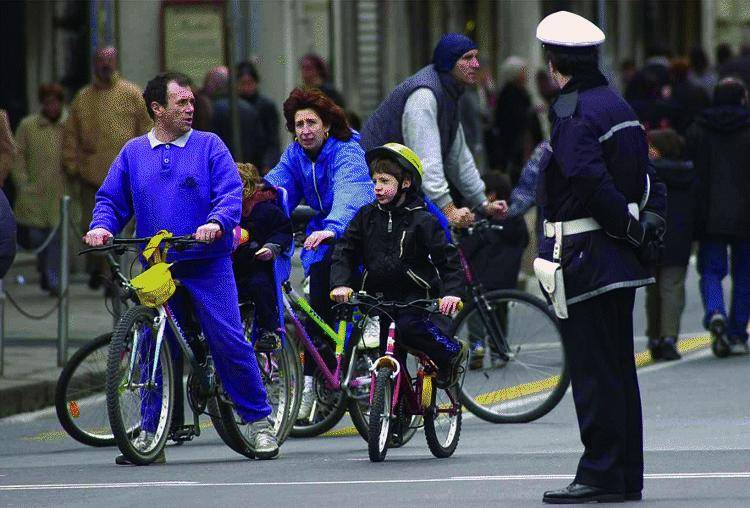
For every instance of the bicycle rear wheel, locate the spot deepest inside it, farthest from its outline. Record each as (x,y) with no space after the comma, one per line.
(80,394)
(380,416)
(522,374)
(140,413)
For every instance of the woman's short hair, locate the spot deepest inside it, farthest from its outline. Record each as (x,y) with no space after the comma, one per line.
(51,90)
(331,114)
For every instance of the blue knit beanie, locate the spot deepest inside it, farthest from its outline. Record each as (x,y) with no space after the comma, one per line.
(450,48)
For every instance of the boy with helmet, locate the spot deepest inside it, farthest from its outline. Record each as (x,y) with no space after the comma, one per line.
(405,255)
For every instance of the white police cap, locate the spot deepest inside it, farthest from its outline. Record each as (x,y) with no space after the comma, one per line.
(564,28)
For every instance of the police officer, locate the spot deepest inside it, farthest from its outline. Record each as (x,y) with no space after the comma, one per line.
(603,211)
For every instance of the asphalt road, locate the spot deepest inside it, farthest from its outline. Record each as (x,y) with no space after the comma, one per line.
(697,452)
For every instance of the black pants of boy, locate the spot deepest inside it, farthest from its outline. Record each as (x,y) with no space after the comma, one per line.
(426,334)
(598,342)
(259,287)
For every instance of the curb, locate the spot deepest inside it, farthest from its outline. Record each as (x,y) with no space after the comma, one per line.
(27,397)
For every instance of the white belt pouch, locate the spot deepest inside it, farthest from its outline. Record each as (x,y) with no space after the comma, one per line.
(550,276)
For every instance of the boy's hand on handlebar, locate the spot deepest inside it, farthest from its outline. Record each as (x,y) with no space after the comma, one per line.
(316,238)
(449,305)
(497,209)
(341,294)
(97,237)
(208,232)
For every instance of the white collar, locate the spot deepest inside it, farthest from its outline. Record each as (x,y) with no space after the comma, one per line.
(180,142)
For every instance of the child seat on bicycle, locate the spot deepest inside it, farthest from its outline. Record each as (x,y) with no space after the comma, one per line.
(406,256)
(262,259)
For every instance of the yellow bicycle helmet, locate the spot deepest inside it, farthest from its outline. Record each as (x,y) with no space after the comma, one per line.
(404,156)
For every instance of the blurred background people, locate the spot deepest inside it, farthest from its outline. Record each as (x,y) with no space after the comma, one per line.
(718,143)
(103,116)
(40,182)
(665,300)
(314,73)
(248,80)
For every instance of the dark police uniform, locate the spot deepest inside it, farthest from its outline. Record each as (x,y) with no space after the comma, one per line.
(597,165)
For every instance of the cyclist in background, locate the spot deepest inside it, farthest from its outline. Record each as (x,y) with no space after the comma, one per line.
(185,181)
(406,257)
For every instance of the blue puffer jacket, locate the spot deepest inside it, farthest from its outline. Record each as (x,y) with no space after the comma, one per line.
(337,184)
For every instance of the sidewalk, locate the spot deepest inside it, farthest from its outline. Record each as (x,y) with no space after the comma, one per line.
(30,366)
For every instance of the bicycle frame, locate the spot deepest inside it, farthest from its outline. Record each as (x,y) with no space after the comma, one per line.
(333,379)
(481,304)
(403,380)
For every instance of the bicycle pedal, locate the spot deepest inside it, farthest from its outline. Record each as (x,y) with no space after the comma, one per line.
(183,434)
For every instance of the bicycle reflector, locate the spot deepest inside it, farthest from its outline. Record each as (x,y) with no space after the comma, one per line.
(154,286)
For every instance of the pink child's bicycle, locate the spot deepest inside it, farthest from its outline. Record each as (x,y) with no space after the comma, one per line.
(396,396)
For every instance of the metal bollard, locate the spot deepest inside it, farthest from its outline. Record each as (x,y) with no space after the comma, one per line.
(62,313)
(2,328)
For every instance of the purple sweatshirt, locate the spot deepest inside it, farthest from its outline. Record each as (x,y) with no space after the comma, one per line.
(176,186)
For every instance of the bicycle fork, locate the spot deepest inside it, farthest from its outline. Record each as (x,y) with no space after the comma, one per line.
(388,361)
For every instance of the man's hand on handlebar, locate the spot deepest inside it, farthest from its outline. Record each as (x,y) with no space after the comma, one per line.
(458,217)
(449,305)
(341,294)
(97,237)
(498,208)
(316,238)
(208,232)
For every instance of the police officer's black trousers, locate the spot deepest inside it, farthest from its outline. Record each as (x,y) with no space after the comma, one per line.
(598,342)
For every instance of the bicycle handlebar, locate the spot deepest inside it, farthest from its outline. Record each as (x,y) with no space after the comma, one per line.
(361,298)
(114,243)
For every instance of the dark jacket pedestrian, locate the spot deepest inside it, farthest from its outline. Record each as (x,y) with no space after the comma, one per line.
(247,86)
(252,135)
(719,145)
(7,235)
(495,255)
(665,300)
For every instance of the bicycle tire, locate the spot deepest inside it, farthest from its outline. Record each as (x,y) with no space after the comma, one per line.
(360,419)
(380,416)
(441,448)
(72,402)
(497,390)
(120,349)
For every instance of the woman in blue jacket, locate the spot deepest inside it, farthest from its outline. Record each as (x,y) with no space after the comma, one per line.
(326,167)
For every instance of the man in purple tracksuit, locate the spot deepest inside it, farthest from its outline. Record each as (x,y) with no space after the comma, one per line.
(185,181)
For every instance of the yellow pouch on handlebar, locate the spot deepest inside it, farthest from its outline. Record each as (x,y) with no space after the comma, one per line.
(154,286)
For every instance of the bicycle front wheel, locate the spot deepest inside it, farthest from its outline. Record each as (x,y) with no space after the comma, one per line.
(516,372)
(80,399)
(139,409)
(380,416)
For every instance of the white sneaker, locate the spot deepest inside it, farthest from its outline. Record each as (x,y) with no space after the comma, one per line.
(265,445)
(306,405)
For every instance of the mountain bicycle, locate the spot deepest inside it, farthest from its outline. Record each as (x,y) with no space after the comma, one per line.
(141,389)
(396,396)
(523,374)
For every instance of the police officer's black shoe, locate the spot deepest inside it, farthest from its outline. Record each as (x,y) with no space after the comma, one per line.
(719,340)
(668,349)
(577,493)
(654,347)
(635,495)
(268,342)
